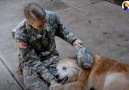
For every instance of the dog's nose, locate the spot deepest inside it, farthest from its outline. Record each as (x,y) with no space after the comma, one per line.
(56,76)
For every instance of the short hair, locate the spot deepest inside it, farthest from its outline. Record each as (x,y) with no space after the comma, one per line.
(33,11)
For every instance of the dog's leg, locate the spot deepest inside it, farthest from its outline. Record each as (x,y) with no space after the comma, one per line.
(77,85)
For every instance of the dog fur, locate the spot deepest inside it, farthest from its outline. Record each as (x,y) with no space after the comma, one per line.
(106,74)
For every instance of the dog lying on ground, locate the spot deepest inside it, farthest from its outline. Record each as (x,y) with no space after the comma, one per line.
(106,74)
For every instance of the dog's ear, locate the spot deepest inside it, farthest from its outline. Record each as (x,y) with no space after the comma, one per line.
(96,57)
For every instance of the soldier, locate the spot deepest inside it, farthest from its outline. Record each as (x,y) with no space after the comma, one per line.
(35,38)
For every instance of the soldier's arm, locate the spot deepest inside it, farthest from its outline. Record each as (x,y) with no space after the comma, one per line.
(28,54)
(63,32)
(33,61)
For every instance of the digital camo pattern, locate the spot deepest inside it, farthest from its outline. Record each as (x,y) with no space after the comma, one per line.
(40,57)
(84,57)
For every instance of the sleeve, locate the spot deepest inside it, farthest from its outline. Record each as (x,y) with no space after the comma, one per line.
(33,61)
(63,32)
(28,54)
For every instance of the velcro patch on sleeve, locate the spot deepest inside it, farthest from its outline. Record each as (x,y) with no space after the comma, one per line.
(22,45)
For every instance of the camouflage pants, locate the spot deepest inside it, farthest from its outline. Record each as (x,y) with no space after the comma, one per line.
(33,82)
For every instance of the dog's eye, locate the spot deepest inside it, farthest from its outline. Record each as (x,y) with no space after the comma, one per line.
(64,68)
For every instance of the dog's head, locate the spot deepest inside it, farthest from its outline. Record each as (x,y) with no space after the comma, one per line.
(67,71)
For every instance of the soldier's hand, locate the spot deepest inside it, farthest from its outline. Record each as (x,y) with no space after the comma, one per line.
(52,83)
(57,86)
(78,43)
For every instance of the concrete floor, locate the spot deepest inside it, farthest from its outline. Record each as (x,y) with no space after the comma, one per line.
(101,25)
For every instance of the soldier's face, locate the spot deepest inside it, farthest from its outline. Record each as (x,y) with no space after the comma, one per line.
(38,24)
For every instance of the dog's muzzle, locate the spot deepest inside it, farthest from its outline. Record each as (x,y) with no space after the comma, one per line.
(62,81)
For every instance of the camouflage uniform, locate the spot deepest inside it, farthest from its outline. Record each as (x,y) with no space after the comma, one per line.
(84,57)
(38,61)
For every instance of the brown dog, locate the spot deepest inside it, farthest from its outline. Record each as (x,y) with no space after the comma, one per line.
(106,74)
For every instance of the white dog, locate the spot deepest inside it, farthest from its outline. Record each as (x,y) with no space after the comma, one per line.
(106,74)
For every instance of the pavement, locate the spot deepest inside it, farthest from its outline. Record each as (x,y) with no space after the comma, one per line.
(101,25)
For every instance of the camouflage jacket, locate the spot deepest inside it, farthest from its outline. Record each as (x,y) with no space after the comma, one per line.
(40,43)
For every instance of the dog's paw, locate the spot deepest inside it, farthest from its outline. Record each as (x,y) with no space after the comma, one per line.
(57,87)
